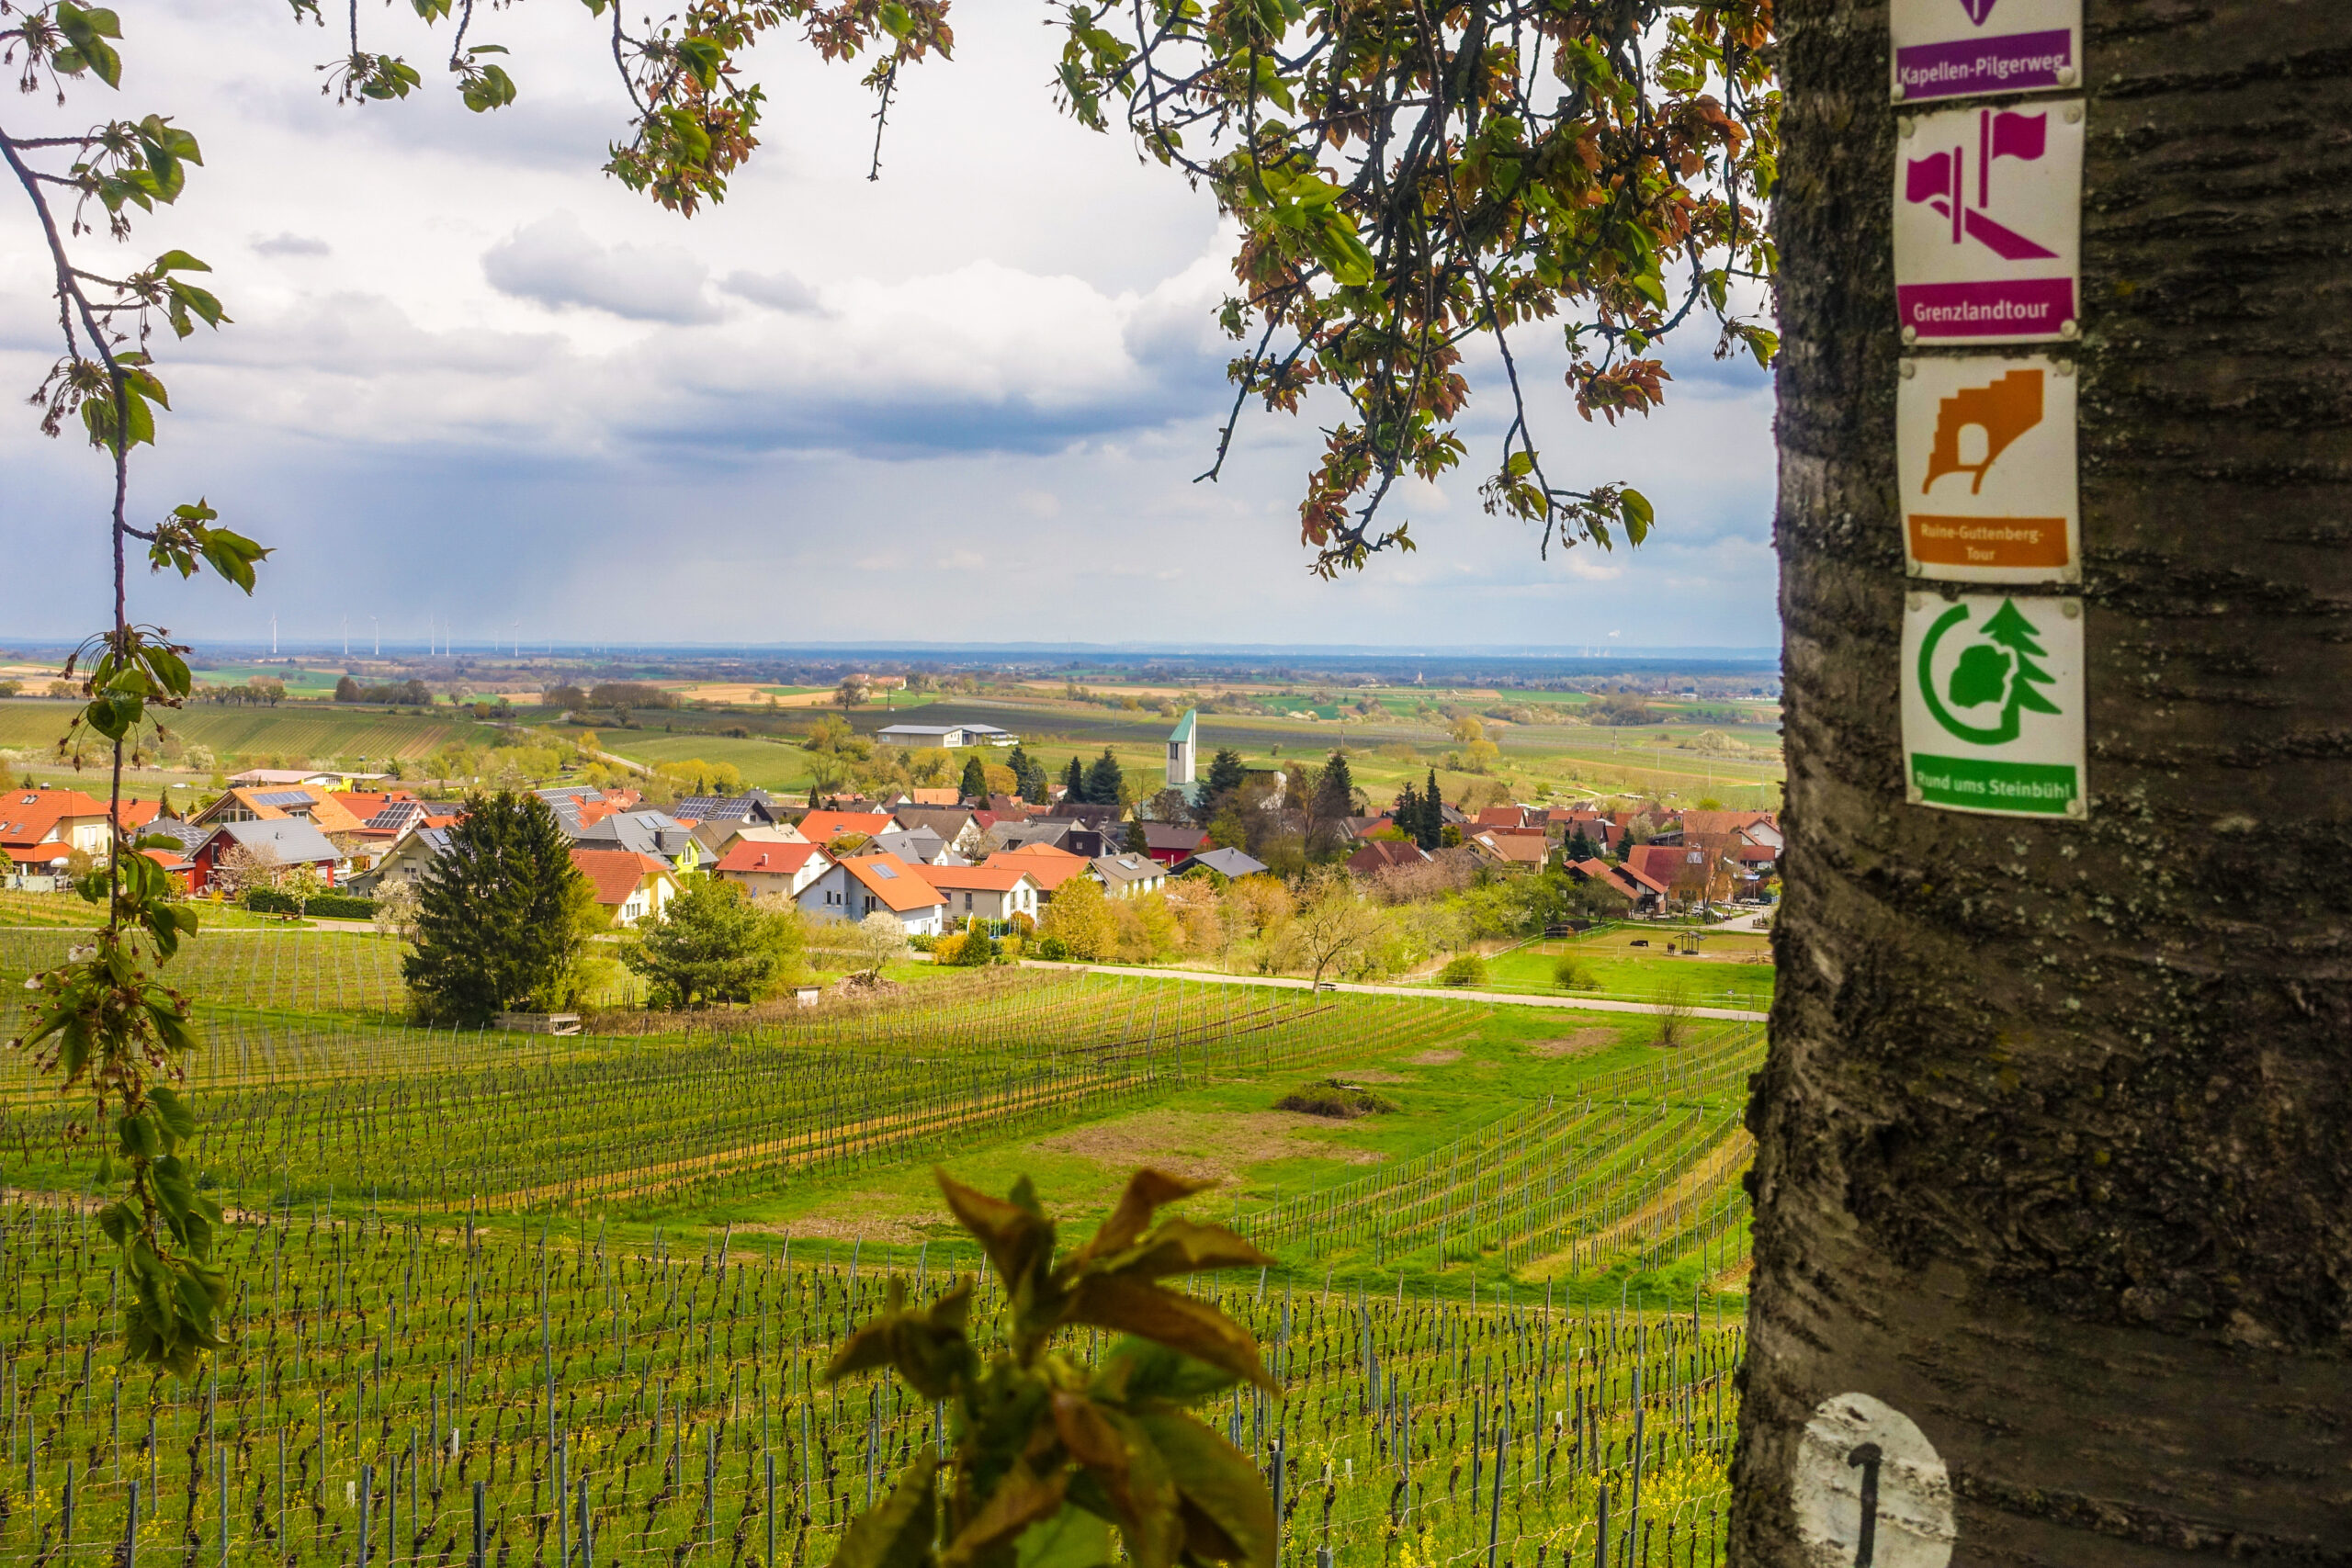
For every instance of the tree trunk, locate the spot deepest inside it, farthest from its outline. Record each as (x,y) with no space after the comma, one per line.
(2054,1143)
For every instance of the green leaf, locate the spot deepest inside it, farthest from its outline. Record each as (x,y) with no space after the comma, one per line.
(1020,1500)
(1147,1190)
(1071,1539)
(1182,1246)
(1229,1516)
(1139,1372)
(179,261)
(86,30)
(1634,508)
(1017,1240)
(897,1532)
(1133,1306)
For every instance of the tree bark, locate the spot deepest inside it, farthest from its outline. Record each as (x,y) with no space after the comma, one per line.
(2054,1143)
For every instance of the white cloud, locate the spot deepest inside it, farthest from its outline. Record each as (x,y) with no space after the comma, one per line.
(554,262)
(285,244)
(472,377)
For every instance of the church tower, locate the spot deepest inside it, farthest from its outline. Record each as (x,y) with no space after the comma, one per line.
(1180,750)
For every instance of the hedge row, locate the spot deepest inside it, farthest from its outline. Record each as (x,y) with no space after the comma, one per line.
(326,905)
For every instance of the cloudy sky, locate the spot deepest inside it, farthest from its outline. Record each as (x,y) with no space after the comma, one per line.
(476,381)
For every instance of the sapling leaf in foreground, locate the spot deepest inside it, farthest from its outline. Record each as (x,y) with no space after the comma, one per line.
(1049,1456)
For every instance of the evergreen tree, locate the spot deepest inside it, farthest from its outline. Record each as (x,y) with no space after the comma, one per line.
(1137,842)
(1028,775)
(499,915)
(1432,833)
(1407,813)
(976,781)
(1225,773)
(1336,791)
(1104,782)
(1074,783)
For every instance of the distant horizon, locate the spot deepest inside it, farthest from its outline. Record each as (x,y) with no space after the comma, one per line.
(545,649)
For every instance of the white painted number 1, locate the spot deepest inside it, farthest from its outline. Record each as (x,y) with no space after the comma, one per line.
(1869,1489)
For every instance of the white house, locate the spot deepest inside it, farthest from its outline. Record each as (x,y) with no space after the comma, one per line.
(996,891)
(866,885)
(1129,875)
(768,867)
(631,886)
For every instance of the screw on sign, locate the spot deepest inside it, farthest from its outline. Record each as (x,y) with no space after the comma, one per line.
(1992,705)
(1986,447)
(1870,1491)
(1988,225)
(1946,49)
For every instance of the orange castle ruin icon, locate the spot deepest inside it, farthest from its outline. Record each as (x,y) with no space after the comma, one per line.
(2004,411)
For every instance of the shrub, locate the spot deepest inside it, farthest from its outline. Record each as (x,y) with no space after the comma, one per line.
(974,949)
(1052,949)
(1468,970)
(923,942)
(1573,973)
(326,905)
(1335,1098)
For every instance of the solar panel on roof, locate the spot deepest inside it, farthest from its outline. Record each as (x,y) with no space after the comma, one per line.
(286,797)
(886,874)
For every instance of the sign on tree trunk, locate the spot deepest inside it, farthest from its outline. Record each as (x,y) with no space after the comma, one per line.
(1993,704)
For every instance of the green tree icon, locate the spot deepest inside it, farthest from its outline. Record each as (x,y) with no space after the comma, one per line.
(2006,658)
(2010,629)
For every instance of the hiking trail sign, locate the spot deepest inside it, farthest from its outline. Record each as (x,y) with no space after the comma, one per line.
(1947,48)
(1988,224)
(1985,448)
(1993,704)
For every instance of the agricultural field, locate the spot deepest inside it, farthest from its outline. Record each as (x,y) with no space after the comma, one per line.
(1731,969)
(301,731)
(568,1300)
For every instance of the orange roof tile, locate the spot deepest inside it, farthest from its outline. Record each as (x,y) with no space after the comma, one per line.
(898,885)
(616,873)
(769,859)
(28,815)
(824,827)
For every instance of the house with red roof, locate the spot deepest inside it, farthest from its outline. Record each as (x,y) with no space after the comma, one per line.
(1642,895)
(828,827)
(309,802)
(1691,873)
(766,867)
(1378,854)
(1512,848)
(1169,842)
(631,887)
(853,888)
(40,829)
(1048,865)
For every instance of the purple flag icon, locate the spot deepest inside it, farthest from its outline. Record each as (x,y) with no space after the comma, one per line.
(1925,179)
(2020,136)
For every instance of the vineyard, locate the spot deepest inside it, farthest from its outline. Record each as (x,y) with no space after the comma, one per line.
(404,1394)
(535,1300)
(296,1110)
(294,729)
(283,969)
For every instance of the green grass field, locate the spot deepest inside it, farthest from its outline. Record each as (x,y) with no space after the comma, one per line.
(1736,973)
(302,730)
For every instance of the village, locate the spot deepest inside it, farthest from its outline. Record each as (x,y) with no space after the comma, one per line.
(936,860)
